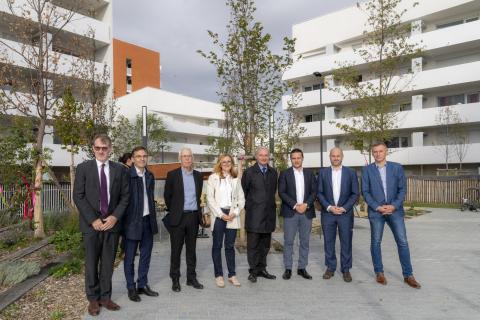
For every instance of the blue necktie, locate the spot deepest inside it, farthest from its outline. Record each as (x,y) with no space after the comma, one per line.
(264,169)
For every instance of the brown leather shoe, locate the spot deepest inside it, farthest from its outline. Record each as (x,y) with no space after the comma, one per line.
(381,278)
(347,277)
(412,282)
(109,304)
(328,274)
(93,308)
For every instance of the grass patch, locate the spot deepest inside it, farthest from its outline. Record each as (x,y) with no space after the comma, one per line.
(57,315)
(432,205)
(73,266)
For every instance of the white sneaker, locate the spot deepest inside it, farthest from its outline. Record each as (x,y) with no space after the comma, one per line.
(219,282)
(233,280)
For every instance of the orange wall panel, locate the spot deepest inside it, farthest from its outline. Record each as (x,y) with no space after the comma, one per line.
(145,67)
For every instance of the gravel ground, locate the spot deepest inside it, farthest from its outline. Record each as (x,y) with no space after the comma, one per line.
(52,299)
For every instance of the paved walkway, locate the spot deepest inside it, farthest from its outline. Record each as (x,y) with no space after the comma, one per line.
(445,246)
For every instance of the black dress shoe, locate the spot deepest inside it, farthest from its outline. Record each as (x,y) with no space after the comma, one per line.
(347,277)
(133,295)
(147,291)
(287,274)
(252,278)
(194,283)
(176,285)
(304,274)
(266,275)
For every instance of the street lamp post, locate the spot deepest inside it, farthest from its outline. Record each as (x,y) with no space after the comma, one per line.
(144,126)
(319,75)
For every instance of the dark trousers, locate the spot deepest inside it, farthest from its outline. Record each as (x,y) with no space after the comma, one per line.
(186,232)
(146,245)
(100,251)
(258,245)
(344,224)
(221,234)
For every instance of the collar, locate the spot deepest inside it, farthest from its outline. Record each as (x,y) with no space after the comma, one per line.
(185,171)
(336,170)
(99,163)
(378,167)
(140,173)
(262,166)
(300,170)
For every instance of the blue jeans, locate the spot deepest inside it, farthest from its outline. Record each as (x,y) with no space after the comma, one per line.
(221,234)
(397,224)
(146,245)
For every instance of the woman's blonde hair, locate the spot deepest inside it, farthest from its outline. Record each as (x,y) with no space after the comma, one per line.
(218,166)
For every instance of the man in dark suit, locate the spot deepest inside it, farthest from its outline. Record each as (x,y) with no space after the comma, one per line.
(337,192)
(297,187)
(183,189)
(384,188)
(259,184)
(140,224)
(101,194)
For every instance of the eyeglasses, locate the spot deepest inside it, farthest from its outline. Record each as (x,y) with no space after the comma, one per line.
(97,148)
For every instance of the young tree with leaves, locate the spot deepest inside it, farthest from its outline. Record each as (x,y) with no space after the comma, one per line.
(387,52)
(249,76)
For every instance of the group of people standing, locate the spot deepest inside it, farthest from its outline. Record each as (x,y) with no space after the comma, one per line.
(111,198)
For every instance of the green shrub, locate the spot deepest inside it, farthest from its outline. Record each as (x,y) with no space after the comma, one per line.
(57,315)
(13,272)
(73,266)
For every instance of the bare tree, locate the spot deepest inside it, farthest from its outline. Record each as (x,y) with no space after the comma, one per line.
(34,71)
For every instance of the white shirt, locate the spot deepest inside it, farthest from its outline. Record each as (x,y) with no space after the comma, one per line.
(107,173)
(336,184)
(146,210)
(299,184)
(225,191)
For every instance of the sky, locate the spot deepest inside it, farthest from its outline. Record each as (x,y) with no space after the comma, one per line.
(178,28)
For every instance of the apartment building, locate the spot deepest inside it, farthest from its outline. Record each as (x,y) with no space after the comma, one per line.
(447,75)
(189,121)
(90,27)
(134,68)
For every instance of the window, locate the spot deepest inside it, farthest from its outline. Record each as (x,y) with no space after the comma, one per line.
(308,118)
(398,142)
(451,100)
(471,19)
(129,63)
(449,24)
(306,89)
(316,87)
(405,106)
(359,78)
(473,97)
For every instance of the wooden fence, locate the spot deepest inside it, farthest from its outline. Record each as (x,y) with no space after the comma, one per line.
(440,190)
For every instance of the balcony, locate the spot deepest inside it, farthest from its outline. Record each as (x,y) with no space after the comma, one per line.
(406,156)
(437,41)
(186,127)
(63,65)
(198,149)
(80,24)
(423,81)
(411,119)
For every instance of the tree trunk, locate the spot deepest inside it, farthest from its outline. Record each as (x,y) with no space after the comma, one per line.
(38,209)
(243,238)
(72,176)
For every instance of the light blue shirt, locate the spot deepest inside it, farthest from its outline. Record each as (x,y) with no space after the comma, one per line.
(190,196)
(383,176)
(261,168)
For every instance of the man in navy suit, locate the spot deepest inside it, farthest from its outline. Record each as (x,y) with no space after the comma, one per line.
(384,187)
(140,224)
(296,188)
(337,192)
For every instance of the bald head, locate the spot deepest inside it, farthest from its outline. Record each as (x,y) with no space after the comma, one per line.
(336,157)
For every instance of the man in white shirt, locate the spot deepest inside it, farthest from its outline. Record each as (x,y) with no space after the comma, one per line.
(338,192)
(140,224)
(296,188)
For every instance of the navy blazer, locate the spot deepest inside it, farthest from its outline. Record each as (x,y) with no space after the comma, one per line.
(133,219)
(349,190)
(372,187)
(288,192)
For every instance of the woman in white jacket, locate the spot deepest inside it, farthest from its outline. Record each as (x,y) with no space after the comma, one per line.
(225,200)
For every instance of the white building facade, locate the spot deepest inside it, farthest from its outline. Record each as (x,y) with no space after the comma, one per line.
(447,75)
(90,26)
(188,121)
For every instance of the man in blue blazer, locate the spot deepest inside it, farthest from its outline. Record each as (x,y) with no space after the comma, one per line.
(296,188)
(384,187)
(337,192)
(140,224)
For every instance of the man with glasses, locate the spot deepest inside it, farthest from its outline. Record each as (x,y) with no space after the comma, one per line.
(183,188)
(140,224)
(101,194)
